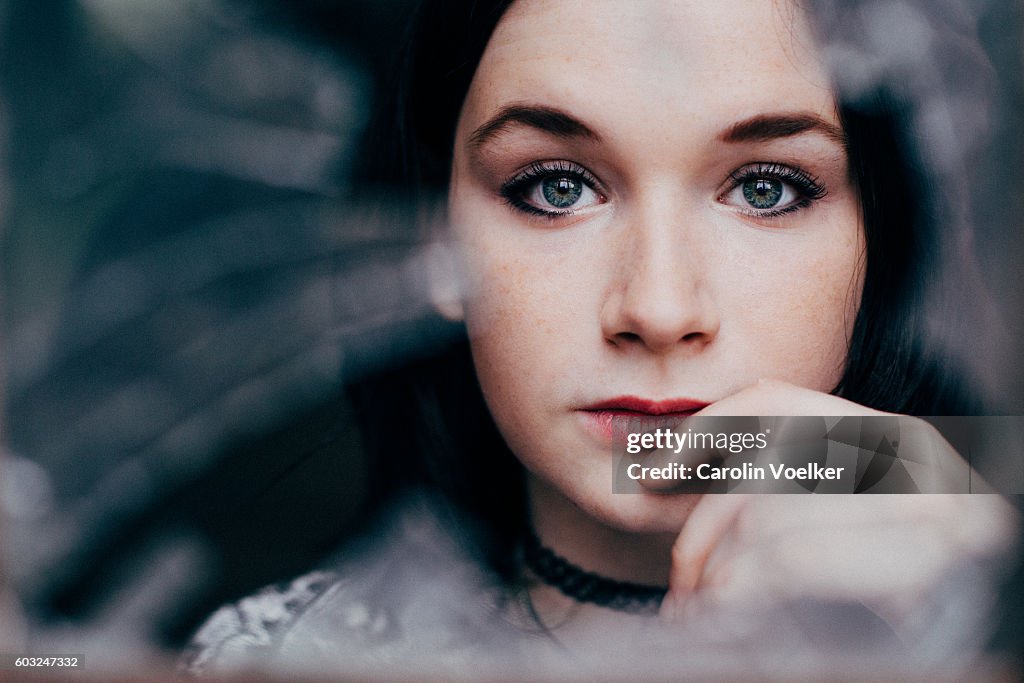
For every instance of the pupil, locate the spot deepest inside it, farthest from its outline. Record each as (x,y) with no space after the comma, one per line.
(561,192)
(762,193)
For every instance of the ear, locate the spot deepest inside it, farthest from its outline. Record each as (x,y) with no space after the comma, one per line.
(444,281)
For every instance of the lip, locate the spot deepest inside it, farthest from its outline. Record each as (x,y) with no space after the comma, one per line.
(599,416)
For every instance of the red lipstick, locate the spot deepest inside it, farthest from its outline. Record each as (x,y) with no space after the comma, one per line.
(600,415)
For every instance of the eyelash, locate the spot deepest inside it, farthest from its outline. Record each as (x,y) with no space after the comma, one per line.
(514,188)
(807,186)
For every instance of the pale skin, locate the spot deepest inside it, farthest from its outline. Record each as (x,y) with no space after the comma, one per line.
(705,243)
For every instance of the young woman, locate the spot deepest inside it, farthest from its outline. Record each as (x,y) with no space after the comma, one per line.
(655,208)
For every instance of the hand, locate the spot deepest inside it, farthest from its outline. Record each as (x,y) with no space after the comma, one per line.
(888,552)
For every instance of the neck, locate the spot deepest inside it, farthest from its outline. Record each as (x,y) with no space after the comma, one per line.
(595,547)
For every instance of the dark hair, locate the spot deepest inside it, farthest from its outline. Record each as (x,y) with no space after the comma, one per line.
(893,362)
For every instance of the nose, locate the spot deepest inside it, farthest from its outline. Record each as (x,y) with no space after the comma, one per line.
(660,298)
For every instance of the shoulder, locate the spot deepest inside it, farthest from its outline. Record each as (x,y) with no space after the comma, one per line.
(407,591)
(236,634)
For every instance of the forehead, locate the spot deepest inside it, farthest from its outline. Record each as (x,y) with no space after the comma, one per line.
(699,60)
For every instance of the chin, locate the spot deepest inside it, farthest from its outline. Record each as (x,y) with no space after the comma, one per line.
(645,513)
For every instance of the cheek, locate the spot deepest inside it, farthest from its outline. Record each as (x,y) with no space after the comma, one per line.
(807,304)
(522,292)
(505,294)
(518,326)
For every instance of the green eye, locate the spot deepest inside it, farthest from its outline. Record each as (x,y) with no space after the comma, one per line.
(561,192)
(767,189)
(762,193)
(552,189)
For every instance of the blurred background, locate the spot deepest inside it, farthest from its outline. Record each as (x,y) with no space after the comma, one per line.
(195,265)
(190,274)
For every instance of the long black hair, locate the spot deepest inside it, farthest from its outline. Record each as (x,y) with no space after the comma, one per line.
(894,363)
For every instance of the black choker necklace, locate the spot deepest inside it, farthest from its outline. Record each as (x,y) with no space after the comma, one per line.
(584,586)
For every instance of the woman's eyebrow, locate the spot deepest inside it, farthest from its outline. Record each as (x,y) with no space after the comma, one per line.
(547,119)
(770,126)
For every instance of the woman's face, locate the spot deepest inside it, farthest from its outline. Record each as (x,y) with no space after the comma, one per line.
(654,210)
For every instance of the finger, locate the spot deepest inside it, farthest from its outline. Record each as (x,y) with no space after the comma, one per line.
(774,397)
(986,523)
(975,523)
(884,559)
(703,530)
(781,513)
(856,565)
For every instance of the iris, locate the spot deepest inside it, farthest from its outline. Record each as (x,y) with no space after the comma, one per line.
(762,193)
(561,191)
